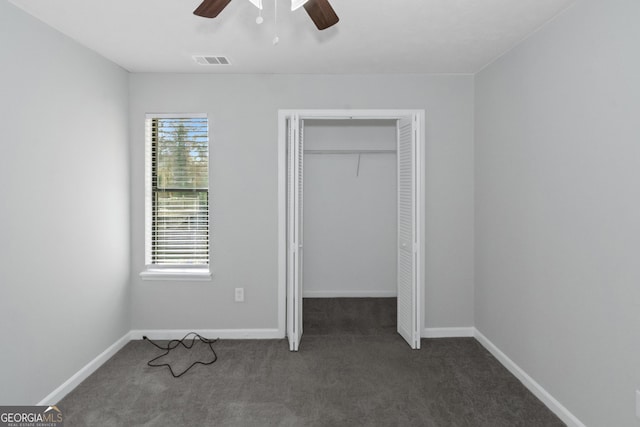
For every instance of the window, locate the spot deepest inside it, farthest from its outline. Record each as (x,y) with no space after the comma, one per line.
(177,196)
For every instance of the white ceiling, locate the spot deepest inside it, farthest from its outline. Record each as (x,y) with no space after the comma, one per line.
(373,36)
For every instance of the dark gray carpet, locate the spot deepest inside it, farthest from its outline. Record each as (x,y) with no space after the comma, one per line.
(340,379)
(344,316)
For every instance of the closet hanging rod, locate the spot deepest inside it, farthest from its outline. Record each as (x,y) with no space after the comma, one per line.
(349,151)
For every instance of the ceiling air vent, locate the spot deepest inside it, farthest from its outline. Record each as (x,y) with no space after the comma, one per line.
(212,60)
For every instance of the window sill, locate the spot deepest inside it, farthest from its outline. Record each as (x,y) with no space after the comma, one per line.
(177,274)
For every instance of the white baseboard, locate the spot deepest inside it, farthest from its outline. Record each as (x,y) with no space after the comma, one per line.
(227,334)
(56,395)
(556,407)
(349,294)
(448,332)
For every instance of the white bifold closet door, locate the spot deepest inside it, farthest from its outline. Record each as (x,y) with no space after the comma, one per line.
(295,153)
(408,247)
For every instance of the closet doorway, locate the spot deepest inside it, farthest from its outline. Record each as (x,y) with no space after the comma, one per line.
(405,267)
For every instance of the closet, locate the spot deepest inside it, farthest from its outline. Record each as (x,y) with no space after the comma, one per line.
(351,204)
(349,222)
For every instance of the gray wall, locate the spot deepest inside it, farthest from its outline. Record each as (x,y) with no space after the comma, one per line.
(64,225)
(350,211)
(558,208)
(243,117)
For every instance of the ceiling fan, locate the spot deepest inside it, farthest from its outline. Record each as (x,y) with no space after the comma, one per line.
(320,11)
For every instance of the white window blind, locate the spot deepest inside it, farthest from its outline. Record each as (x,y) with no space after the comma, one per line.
(177,191)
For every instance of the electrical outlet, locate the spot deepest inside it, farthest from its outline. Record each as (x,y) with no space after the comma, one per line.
(239,294)
(638,403)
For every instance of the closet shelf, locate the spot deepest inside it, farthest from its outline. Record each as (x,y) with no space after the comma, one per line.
(349,151)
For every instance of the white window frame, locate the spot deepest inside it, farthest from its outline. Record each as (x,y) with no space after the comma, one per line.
(160,272)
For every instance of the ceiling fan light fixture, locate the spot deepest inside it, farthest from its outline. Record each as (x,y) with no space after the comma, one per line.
(320,11)
(297,4)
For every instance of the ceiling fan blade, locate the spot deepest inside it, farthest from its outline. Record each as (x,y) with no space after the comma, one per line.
(211,8)
(321,13)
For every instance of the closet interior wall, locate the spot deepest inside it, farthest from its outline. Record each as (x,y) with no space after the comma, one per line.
(350,208)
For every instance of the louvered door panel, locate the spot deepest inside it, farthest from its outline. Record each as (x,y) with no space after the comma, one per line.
(407,263)
(294,232)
